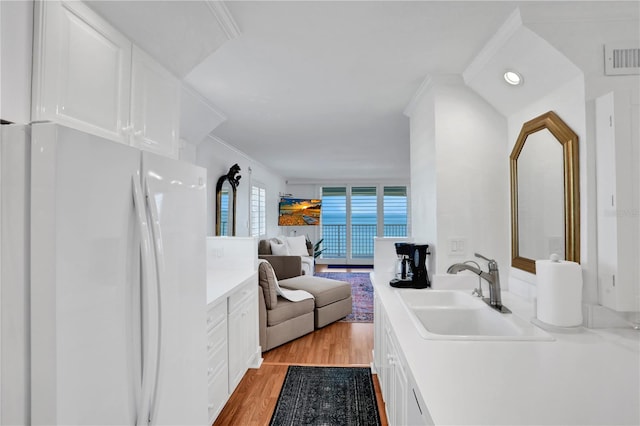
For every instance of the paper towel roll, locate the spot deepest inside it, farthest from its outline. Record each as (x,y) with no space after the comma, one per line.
(559,285)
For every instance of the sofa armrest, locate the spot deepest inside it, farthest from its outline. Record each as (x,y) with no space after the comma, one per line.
(262,319)
(284,266)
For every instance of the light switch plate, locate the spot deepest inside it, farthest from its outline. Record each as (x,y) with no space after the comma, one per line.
(457,246)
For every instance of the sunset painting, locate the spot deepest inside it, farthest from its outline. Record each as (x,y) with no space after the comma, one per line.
(299,212)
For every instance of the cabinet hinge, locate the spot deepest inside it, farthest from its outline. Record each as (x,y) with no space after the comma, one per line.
(613,280)
(612,201)
(610,121)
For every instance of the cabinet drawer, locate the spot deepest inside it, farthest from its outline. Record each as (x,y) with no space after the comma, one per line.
(217,363)
(216,314)
(242,294)
(218,395)
(217,337)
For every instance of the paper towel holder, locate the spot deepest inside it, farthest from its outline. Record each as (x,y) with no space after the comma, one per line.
(568,139)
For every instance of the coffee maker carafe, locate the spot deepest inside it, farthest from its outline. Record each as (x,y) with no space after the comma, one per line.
(403,263)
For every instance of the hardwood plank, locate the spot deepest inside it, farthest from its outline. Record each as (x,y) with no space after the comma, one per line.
(340,344)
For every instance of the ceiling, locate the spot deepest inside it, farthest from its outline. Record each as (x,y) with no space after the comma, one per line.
(315,90)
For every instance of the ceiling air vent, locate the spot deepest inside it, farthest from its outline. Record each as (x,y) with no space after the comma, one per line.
(622,58)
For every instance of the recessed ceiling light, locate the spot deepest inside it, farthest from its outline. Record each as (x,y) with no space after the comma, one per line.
(513,78)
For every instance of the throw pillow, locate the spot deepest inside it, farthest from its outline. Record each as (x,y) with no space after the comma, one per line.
(279,249)
(269,283)
(298,246)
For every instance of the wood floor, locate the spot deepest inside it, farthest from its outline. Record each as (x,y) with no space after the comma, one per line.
(339,344)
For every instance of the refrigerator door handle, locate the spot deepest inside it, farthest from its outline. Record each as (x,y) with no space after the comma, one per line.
(154,220)
(149,306)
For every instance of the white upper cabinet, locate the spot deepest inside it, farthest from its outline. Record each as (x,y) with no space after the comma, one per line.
(155,106)
(89,76)
(82,69)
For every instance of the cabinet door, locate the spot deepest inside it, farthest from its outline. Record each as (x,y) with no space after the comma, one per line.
(415,407)
(155,106)
(378,333)
(236,347)
(386,376)
(399,390)
(617,178)
(252,340)
(81,72)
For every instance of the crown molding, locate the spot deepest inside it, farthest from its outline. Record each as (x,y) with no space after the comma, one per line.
(216,140)
(346,182)
(224,18)
(504,33)
(424,87)
(431,82)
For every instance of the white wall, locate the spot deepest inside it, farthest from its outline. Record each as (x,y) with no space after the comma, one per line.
(187,152)
(302,191)
(465,138)
(422,136)
(16,29)
(217,157)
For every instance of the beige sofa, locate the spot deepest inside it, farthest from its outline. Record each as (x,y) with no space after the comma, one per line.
(281,320)
(307,262)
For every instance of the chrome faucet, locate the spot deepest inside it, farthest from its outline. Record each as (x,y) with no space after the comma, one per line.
(492,277)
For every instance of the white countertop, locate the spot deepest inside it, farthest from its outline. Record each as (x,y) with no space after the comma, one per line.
(591,377)
(222,282)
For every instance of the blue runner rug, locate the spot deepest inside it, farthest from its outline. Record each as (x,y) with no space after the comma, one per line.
(336,396)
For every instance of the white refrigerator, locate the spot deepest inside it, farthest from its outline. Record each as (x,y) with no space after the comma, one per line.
(103,282)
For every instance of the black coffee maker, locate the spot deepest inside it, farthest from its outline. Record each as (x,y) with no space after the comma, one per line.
(413,256)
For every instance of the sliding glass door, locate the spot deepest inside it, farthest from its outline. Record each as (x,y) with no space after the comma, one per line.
(352,216)
(364,221)
(334,222)
(395,211)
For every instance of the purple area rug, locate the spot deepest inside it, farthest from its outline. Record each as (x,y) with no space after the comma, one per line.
(361,293)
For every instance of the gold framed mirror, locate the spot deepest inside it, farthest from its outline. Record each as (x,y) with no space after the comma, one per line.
(226,202)
(545,193)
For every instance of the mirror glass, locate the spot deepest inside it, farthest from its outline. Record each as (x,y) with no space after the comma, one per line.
(540,197)
(545,199)
(226,202)
(226,216)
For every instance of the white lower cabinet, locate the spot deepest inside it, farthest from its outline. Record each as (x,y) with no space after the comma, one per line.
(217,365)
(243,336)
(402,403)
(397,385)
(415,410)
(232,342)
